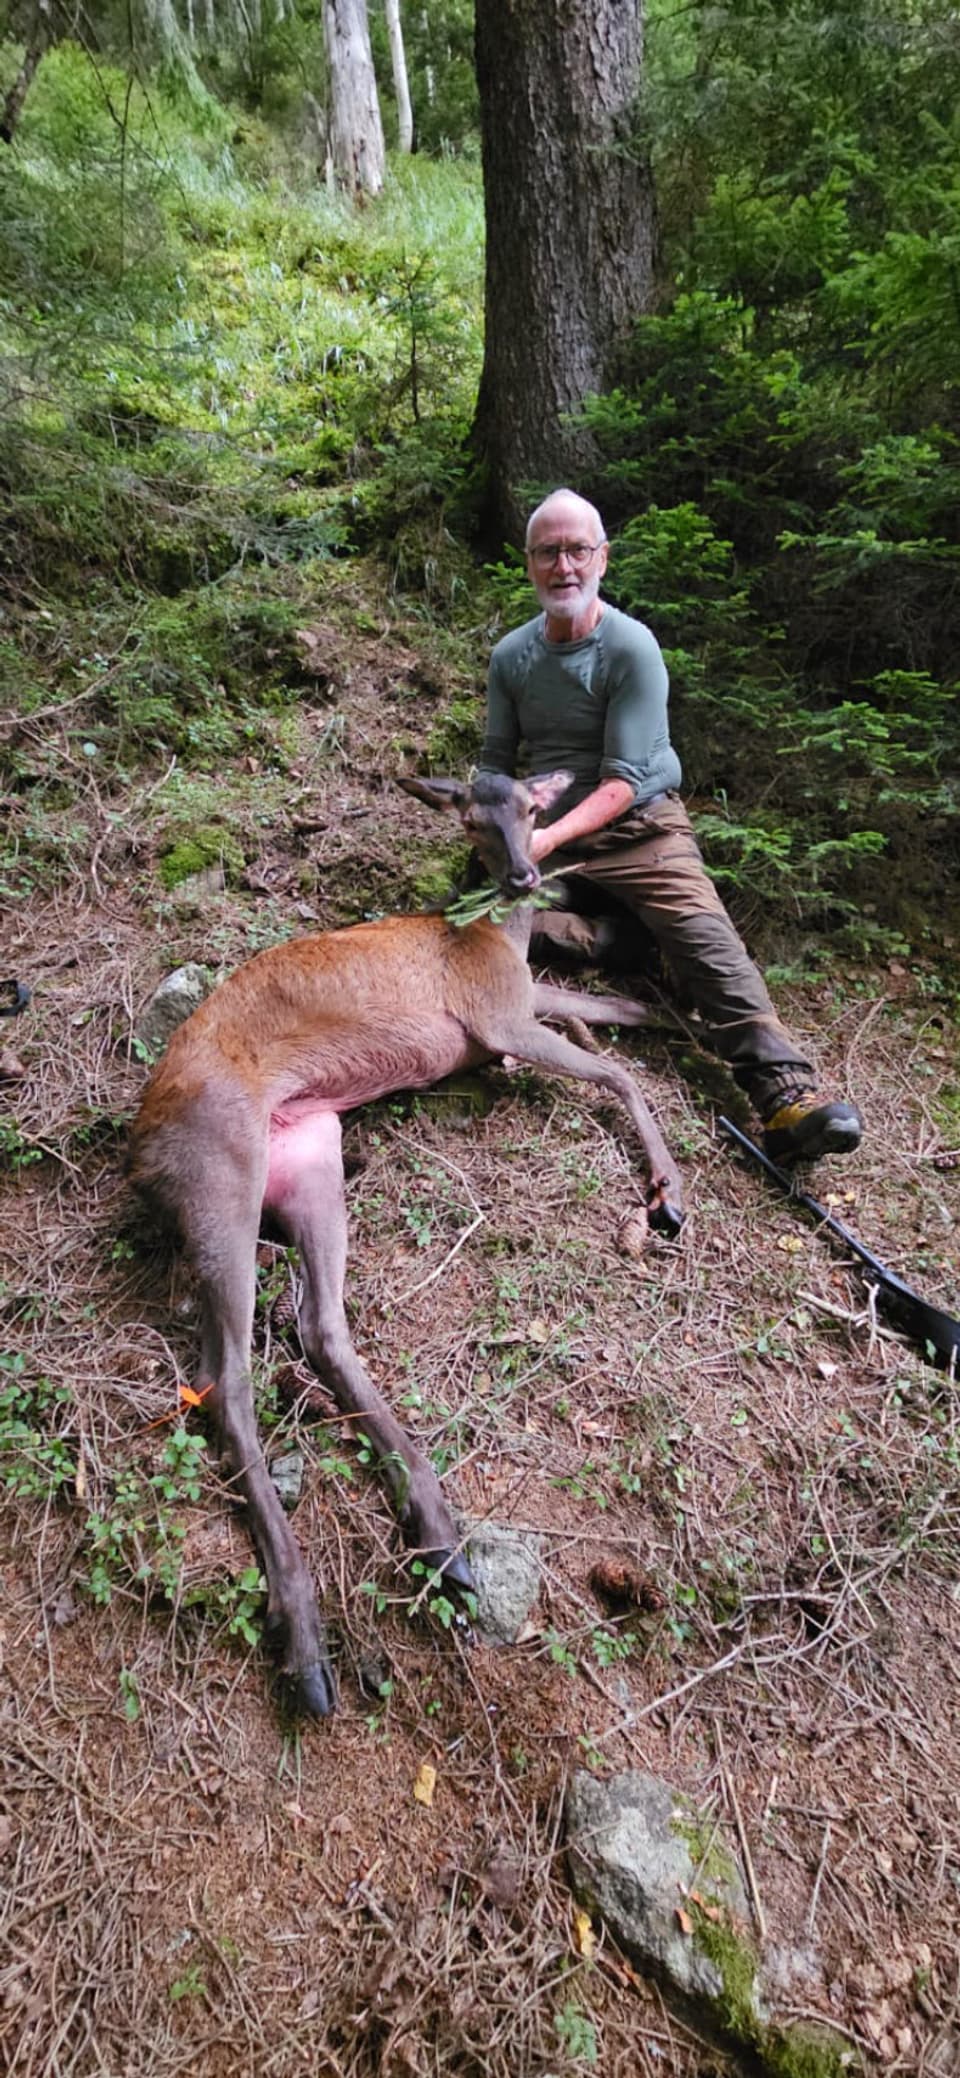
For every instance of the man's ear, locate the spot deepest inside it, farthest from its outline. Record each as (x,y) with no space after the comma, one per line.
(437,793)
(547,788)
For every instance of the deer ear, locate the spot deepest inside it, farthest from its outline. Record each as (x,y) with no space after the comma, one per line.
(547,788)
(437,793)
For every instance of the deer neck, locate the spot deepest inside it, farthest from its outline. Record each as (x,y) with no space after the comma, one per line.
(517,928)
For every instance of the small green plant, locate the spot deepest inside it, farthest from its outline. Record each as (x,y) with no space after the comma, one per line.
(576,2034)
(439,1603)
(239,1603)
(610,1647)
(15,1149)
(35,1460)
(130,1694)
(560,1653)
(190,1986)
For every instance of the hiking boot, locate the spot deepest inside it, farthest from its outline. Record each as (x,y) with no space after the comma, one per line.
(807,1126)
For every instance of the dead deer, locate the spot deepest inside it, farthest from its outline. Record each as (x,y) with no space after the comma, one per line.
(241,1119)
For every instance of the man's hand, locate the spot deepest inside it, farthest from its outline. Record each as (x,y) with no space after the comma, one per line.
(611,798)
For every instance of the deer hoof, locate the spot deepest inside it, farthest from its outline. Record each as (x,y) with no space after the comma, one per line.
(315,1690)
(453,1569)
(667,1219)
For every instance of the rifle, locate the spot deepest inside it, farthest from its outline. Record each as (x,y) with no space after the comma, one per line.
(934,1330)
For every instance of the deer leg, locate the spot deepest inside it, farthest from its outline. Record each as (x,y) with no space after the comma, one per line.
(223,1245)
(547,1049)
(310,1202)
(551,1001)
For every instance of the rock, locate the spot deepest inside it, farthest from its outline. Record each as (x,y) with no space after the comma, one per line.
(195,890)
(645,1860)
(287,1475)
(634,1856)
(506,1568)
(171,1003)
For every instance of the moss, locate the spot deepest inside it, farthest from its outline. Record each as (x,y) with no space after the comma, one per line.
(734,1958)
(209,845)
(457,737)
(437,875)
(808,2052)
(802,2051)
(709,1858)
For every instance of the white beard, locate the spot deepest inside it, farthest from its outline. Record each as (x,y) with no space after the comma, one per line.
(570,603)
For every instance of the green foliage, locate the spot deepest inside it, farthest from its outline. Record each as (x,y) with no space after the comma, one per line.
(781,459)
(443,88)
(36,1459)
(136,1540)
(576,2035)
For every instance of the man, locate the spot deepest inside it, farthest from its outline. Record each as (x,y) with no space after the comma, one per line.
(584,686)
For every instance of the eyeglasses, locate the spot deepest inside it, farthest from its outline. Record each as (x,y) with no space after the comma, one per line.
(547,553)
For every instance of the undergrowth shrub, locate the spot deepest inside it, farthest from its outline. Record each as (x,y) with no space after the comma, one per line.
(779,466)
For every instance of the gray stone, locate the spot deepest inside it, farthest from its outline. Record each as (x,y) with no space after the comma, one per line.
(171,1003)
(647,1862)
(287,1475)
(634,1851)
(196,889)
(506,1568)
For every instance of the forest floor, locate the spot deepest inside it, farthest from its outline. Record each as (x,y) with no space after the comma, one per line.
(192,1883)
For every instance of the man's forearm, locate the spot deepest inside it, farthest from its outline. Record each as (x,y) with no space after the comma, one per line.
(611,798)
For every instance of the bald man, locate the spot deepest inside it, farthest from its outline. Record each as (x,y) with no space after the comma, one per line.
(583,686)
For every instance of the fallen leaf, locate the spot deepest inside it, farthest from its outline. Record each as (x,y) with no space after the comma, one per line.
(791,1244)
(538,1331)
(425,1784)
(827,1370)
(584,1938)
(684,1921)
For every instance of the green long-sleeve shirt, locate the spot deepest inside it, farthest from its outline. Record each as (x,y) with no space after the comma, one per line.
(597,706)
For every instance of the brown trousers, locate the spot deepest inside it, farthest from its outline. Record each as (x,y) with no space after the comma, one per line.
(649,862)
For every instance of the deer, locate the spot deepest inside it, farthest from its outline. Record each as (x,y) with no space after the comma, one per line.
(240,1123)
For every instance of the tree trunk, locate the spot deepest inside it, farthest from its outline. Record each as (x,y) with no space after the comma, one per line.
(39,40)
(571,232)
(356,133)
(400,84)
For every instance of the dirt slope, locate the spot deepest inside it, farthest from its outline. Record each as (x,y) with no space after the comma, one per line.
(191,1884)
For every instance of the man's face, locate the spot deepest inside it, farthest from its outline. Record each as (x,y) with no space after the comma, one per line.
(567,583)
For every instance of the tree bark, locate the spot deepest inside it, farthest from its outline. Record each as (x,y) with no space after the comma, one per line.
(41,36)
(401,86)
(571,232)
(356,133)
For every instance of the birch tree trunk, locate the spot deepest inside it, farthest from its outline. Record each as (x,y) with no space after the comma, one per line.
(401,86)
(356,132)
(571,232)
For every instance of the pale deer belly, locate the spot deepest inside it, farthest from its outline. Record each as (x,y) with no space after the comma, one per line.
(373,1060)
